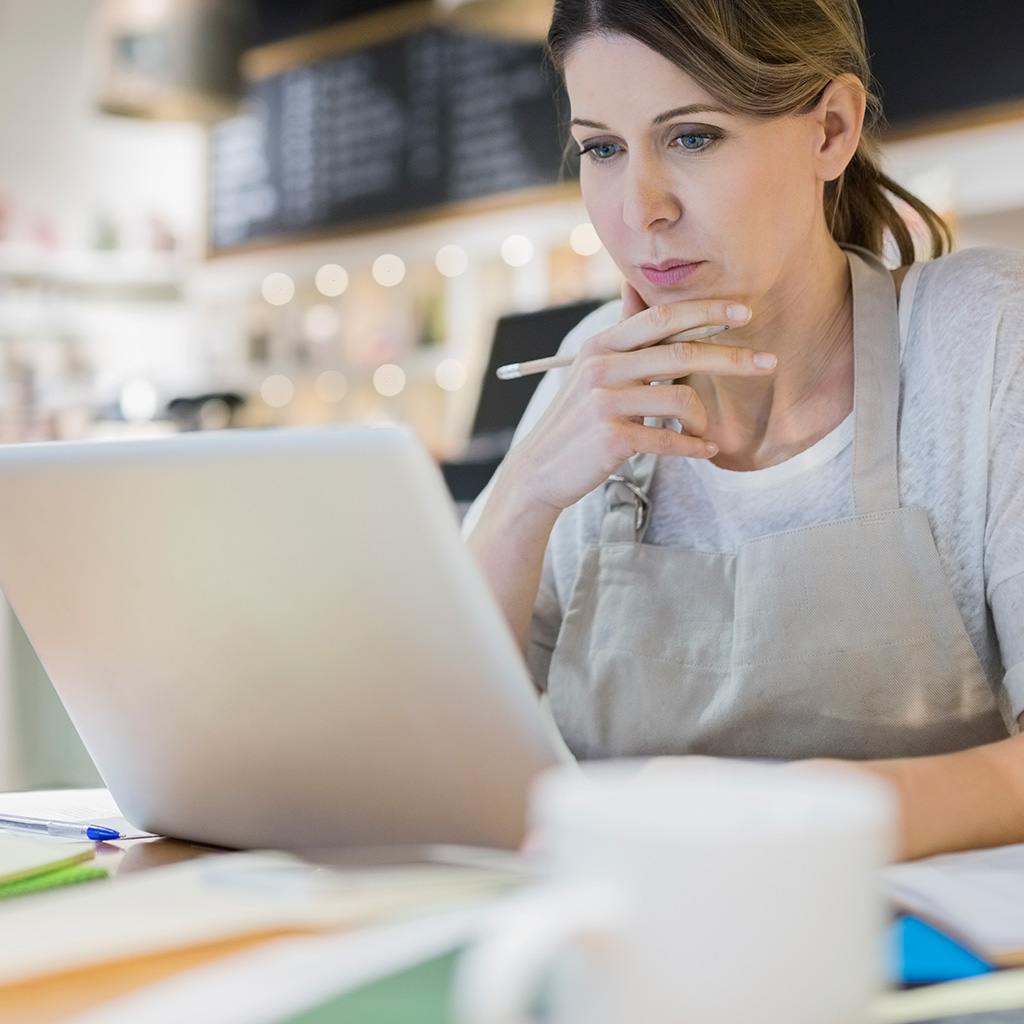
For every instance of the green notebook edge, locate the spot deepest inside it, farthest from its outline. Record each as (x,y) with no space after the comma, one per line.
(71,874)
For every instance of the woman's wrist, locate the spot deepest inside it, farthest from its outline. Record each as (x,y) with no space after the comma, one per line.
(517,497)
(508,542)
(967,799)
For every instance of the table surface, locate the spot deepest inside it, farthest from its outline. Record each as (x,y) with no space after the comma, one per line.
(418,995)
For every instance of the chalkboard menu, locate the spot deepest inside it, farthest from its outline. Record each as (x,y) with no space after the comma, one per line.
(420,122)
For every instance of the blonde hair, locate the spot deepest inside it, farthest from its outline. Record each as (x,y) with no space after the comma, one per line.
(769,58)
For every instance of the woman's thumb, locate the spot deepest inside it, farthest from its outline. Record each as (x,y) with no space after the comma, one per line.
(631,301)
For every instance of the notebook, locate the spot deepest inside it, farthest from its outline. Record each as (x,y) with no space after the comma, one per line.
(22,858)
(976,896)
(273,638)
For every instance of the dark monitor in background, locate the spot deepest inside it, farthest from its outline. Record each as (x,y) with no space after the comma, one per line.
(517,338)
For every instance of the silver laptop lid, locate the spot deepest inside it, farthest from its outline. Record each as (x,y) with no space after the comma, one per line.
(272,638)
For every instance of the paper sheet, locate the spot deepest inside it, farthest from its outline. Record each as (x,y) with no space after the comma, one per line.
(991,993)
(216,898)
(286,977)
(977,896)
(77,806)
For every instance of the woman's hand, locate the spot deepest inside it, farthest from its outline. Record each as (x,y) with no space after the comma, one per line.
(594,424)
(596,421)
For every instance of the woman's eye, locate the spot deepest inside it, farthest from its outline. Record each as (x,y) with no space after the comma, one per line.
(600,150)
(694,141)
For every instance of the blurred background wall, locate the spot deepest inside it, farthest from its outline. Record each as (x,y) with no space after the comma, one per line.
(217,213)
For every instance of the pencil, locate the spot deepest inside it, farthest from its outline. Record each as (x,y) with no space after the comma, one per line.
(513,371)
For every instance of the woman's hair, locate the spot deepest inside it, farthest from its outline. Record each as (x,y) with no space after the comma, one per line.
(769,58)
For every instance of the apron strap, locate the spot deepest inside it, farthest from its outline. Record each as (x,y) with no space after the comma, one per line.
(876,354)
(627,501)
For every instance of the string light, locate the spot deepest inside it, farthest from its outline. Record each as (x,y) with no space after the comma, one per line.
(321,322)
(331,280)
(277,390)
(278,289)
(517,250)
(451,260)
(331,386)
(388,270)
(583,240)
(389,380)
(450,374)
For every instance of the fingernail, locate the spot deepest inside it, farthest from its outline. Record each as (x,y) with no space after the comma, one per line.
(737,312)
(711,447)
(765,360)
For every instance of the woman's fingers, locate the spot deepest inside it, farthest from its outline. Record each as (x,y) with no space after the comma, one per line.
(631,301)
(597,419)
(664,441)
(653,324)
(681,358)
(667,401)
(672,360)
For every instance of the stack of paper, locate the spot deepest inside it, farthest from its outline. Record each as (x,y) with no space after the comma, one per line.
(66,951)
(976,897)
(281,980)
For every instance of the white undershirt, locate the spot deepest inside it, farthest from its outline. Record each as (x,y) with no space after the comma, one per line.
(961,458)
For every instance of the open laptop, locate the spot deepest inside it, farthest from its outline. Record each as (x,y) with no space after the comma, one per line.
(273,638)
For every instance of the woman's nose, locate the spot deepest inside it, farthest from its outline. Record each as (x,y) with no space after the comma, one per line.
(650,201)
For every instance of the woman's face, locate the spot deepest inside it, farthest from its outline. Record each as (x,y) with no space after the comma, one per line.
(690,200)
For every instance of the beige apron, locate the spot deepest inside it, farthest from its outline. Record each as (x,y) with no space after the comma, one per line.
(841,639)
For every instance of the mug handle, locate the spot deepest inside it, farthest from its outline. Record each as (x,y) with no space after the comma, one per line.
(499,976)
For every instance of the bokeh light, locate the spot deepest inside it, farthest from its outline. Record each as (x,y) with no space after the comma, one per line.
(331,386)
(321,322)
(389,380)
(450,374)
(138,400)
(214,414)
(331,280)
(278,289)
(388,270)
(517,250)
(583,240)
(451,260)
(277,390)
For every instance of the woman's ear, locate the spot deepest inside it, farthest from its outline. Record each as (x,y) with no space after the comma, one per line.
(839,116)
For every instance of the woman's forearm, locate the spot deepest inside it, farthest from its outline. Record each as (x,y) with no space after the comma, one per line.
(508,542)
(968,799)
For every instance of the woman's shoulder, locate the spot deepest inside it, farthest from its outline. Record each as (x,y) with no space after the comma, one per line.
(972,280)
(962,320)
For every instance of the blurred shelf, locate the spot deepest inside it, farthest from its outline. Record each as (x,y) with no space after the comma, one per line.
(103,276)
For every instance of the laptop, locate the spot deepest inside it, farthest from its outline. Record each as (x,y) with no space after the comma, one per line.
(273,638)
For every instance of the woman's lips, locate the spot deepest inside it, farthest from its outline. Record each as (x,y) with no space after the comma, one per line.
(669,272)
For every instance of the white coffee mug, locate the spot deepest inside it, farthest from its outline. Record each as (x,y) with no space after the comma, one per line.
(699,892)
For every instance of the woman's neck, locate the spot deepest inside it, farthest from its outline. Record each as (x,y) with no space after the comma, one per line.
(808,323)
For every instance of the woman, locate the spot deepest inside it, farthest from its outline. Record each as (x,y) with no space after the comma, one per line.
(807,540)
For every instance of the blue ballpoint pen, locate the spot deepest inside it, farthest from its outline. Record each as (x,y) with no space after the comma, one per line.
(64,829)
